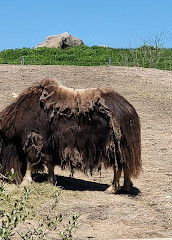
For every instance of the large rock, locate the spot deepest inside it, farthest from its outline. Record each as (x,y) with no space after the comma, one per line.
(61,41)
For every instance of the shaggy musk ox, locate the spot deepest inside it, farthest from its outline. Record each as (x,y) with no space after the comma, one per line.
(49,124)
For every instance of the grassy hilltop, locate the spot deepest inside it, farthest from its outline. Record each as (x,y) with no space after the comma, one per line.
(145,56)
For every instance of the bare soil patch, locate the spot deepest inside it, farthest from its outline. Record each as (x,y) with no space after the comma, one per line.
(104,216)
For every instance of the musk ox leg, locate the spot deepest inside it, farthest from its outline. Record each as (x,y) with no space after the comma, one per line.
(11,159)
(28,175)
(127,181)
(115,184)
(51,175)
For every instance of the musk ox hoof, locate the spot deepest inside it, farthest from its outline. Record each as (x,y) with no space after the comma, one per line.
(26,181)
(127,186)
(52,180)
(111,190)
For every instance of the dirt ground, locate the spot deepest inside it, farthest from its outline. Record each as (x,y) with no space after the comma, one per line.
(109,216)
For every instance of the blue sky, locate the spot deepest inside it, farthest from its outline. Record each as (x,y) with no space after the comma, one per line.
(116,23)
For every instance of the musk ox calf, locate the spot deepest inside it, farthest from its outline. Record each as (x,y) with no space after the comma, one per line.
(49,124)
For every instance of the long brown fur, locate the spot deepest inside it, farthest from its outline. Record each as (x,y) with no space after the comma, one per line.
(79,129)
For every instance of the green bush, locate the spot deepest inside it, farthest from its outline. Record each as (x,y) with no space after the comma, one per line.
(144,56)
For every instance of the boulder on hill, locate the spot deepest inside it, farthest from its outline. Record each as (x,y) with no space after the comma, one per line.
(62,41)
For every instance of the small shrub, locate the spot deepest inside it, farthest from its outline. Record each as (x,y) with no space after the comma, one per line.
(9,220)
(51,221)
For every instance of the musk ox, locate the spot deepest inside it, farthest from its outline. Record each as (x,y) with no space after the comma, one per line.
(49,124)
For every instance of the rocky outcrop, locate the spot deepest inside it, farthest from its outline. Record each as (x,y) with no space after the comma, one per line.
(62,41)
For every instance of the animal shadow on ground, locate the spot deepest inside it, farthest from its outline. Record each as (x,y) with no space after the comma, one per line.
(68,183)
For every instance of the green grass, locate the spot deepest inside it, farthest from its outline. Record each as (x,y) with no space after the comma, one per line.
(33,213)
(145,56)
